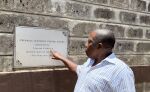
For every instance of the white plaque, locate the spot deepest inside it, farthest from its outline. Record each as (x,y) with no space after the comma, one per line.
(33,46)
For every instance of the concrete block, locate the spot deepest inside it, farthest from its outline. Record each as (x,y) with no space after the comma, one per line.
(138,5)
(6,63)
(120,3)
(104,13)
(126,17)
(7,44)
(135,32)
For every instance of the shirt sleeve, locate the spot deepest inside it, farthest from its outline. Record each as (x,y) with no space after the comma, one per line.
(125,81)
(81,67)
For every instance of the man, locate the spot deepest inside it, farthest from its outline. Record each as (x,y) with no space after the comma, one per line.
(103,71)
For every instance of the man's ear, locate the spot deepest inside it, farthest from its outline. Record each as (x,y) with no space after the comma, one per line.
(100,45)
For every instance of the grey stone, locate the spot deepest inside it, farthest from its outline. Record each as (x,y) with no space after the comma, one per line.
(135,32)
(104,13)
(7,44)
(117,30)
(32,6)
(55,23)
(7,22)
(143,47)
(119,3)
(94,1)
(148,33)
(139,87)
(82,29)
(76,47)
(40,21)
(147,87)
(124,46)
(145,19)
(77,10)
(135,59)
(79,59)
(6,4)
(149,7)
(6,63)
(126,17)
(138,5)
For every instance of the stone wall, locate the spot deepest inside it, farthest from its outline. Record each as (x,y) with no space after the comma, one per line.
(128,19)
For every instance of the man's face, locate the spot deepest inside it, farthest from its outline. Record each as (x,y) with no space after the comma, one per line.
(91,51)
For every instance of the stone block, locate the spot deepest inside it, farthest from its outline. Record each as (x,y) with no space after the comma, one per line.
(148,33)
(7,44)
(147,87)
(138,5)
(117,30)
(149,7)
(77,10)
(135,60)
(76,47)
(139,87)
(94,1)
(104,13)
(145,19)
(6,63)
(83,29)
(143,47)
(119,3)
(56,23)
(126,17)
(40,21)
(6,4)
(135,32)
(79,59)
(7,22)
(32,6)
(56,7)
(124,47)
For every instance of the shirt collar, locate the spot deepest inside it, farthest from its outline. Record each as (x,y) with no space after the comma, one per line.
(110,58)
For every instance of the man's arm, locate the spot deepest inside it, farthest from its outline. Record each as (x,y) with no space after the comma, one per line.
(71,66)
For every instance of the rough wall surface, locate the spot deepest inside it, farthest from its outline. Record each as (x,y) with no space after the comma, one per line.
(128,19)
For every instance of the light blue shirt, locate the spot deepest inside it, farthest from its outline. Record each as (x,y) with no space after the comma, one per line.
(110,75)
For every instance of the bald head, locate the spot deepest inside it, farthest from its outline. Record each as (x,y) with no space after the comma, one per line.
(104,36)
